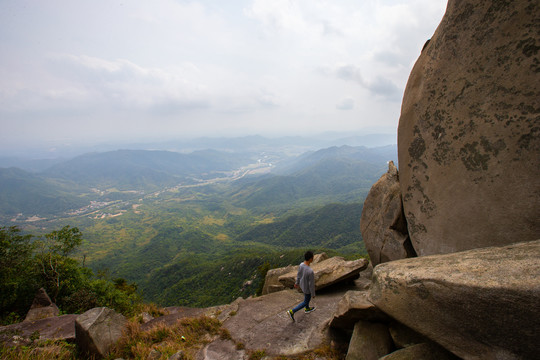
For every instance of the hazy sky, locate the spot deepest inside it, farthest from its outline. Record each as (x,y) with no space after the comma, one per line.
(76,71)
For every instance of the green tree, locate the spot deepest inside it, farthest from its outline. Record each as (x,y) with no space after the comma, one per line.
(17,271)
(60,274)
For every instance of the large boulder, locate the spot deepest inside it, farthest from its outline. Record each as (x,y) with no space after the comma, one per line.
(42,307)
(383,224)
(98,329)
(479,304)
(51,328)
(329,272)
(423,351)
(370,341)
(271,281)
(353,307)
(469,134)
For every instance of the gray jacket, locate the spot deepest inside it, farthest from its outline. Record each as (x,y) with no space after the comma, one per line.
(306,279)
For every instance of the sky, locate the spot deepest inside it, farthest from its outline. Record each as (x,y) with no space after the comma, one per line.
(78,72)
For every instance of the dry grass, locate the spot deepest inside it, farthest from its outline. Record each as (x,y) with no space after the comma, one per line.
(44,350)
(151,309)
(188,335)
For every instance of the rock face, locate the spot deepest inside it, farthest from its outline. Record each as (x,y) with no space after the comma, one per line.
(370,341)
(424,351)
(353,307)
(42,307)
(383,224)
(271,281)
(262,323)
(479,304)
(98,329)
(469,131)
(51,328)
(329,272)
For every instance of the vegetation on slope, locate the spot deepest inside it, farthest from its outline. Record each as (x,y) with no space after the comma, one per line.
(27,264)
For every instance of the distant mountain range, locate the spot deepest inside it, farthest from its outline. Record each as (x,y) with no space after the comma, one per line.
(25,158)
(336,172)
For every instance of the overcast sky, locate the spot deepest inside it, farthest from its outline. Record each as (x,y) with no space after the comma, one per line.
(76,71)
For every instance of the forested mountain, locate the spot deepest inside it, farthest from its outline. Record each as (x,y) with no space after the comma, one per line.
(143,170)
(374,156)
(333,226)
(330,179)
(193,229)
(23,192)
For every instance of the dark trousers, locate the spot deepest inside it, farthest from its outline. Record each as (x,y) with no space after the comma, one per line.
(305,304)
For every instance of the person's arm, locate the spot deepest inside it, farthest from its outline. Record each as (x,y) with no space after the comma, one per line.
(312,283)
(298,276)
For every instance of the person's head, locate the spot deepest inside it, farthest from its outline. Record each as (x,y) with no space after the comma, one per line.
(308,256)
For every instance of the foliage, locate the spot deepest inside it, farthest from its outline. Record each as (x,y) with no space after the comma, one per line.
(332,226)
(60,274)
(27,265)
(17,273)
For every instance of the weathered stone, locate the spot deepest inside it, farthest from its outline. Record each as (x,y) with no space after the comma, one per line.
(153,355)
(383,224)
(98,329)
(221,350)
(179,355)
(42,307)
(145,317)
(52,328)
(469,134)
(271,282)
(404,336)
(317,258)
(174,313)
(353,307)
(362,284)
(479,304)
(329,272)
(369,341)
(424,351)
(262,323)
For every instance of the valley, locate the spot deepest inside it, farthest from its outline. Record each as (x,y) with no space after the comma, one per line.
(198,229)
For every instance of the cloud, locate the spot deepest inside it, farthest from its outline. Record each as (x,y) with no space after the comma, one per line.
(182,66)
(380,86)
(345,104)
(124,84)
(386,88)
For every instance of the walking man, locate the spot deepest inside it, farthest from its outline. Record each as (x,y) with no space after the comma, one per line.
(305,279)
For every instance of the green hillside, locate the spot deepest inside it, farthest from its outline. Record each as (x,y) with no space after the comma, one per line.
(143,170)
(22,192)
(203,242)
(333,226)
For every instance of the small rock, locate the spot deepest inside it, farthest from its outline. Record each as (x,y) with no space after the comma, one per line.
(154,355)
(180,355)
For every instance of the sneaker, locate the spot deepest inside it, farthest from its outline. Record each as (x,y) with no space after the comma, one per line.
(291,314)
(309,309)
